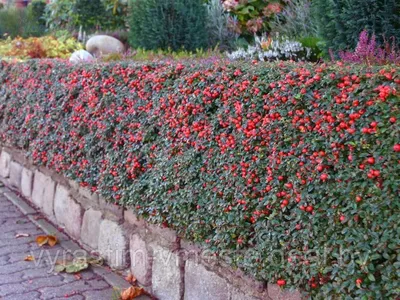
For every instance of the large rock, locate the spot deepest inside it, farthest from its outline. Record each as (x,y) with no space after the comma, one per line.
(91,228)
(68,213)
(202,284)
(103,44)
(141,260)
(81,56)
(167,279)
(26,183)
(5,161)
(43,193)
(15,174)
(112,244)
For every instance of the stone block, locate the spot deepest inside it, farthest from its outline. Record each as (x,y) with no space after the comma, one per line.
(5,160)
(68,213)
(141,260)
(202,284)
(111,211)
(43,193)
(164,236)
(15,174)
(167,274)
(91,228)
(112,244)
(238,295)
(26,183)
(87,193)
(277,293)
(132,219)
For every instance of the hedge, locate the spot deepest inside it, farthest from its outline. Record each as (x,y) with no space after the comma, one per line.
(289,171)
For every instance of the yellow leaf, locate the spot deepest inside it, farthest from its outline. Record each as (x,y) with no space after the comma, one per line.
(42,240)
(52,240)
(132,293)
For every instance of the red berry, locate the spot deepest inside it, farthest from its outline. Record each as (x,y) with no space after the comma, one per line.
(309,209)
(324,176)
(371,160)
(281,282)
(358,199)
(320,168)
(396,148)
(376,173)
(358,281)
(342,218)
(374,124)
(392,120)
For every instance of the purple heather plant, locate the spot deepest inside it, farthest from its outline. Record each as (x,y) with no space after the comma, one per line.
(370,52)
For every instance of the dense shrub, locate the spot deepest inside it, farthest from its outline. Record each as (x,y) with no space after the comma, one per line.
(341,21)
(295,20)
(289,171)
(18,22)
(174,24)
(219,24)
(90,14)
(42,47)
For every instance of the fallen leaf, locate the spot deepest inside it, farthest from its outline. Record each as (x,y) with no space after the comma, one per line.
(130,278)
(18,235)
(52,240)
(95,261)
(132,293)
(29,258)
(42,240)
(76,266)
(59,268)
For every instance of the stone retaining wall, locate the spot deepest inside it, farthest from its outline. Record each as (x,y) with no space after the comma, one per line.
(168,267)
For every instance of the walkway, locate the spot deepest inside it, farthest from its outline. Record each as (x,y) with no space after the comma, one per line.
(21,279)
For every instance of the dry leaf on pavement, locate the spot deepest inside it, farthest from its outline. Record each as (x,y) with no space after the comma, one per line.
(52,240)
(42,240)
(130,278)
(29,258)
(18,235)
(132,293)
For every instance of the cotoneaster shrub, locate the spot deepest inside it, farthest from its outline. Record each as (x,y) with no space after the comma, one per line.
(289,171)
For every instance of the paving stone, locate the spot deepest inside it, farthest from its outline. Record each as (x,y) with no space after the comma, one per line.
(43,193)
(68,212)
(5,160)
(202,284)
(103,294)
(166,274)
(91,228)
(26,183)
(22,205)
(51,292)
(25,280)
(23,296)
(112,244)
(15,174)
(276,293)
(141,260)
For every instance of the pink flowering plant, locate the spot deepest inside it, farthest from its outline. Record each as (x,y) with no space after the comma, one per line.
(370,52)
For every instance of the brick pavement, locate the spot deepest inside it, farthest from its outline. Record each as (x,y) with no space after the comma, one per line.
(25,280)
